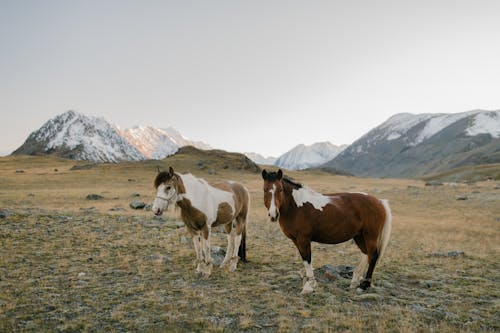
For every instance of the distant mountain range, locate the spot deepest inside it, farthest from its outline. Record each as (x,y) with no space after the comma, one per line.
(408,145)
(80,137)
(302,157)
(258,158)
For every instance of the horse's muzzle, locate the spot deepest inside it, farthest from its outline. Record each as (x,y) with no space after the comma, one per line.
(274,218)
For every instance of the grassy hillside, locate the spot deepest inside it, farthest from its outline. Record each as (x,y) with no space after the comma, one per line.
(469,174)
(65,267)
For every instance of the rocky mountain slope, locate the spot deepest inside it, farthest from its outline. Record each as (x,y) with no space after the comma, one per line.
(303,157)
(80,137)
(408,145)
(76,136)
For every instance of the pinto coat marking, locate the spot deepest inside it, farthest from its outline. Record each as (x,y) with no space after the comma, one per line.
(306,216)
(204,206)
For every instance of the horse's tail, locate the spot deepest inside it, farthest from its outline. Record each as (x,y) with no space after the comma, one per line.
(242,250)
(385,235)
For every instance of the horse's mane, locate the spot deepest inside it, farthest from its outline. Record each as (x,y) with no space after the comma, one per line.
(292,182)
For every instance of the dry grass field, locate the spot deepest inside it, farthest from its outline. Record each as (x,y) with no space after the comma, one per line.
(72,264)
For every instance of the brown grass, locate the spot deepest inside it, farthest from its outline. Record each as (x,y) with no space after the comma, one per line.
(64,269)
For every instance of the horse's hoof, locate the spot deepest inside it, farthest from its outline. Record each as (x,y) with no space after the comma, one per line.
(308,287)
(233,264)
(364,285)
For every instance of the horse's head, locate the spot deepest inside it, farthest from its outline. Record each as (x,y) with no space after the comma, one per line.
(273,193)
(167,187)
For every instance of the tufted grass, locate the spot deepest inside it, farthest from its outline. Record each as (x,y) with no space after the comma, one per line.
(67,269)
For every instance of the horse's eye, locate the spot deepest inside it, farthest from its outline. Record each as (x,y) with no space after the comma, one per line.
(168,188)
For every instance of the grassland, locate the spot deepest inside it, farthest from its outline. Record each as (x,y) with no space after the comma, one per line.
(70,264)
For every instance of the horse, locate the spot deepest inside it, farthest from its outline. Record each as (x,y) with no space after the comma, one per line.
(307,216)
(202,207)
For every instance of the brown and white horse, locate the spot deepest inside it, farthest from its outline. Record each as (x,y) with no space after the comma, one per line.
(307,216)
(203,207)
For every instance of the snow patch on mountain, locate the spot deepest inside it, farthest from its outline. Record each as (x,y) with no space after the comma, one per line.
(303,157)
(485,123)
(91,138)
(259,159)
(158,143)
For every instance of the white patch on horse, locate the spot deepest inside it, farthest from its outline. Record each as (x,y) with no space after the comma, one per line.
(304,194)
(363,193)
(272,207)
(205,197)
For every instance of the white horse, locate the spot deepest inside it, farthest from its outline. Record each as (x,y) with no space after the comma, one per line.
(204,206)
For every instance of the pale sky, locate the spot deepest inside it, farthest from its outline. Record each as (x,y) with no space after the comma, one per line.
(247,76)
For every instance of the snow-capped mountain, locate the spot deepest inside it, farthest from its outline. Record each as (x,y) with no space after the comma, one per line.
(158,143)
(80,137)
(303,157)
(259,159)
(76,136)
(408,145)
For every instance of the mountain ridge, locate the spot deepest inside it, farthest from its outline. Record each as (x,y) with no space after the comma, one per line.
(77,136)
(409,145)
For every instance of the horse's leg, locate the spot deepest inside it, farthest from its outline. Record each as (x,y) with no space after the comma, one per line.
(371,246)
(304,246)
(360,271)
(230,244)
(207,256)
(238,233)
(195,235)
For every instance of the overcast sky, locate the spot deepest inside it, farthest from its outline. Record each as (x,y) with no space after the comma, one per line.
(243,76)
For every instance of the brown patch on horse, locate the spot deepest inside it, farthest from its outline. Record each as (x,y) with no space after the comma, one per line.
(224,214)
(192,217)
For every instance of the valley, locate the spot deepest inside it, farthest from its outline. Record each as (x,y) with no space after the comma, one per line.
(73,264)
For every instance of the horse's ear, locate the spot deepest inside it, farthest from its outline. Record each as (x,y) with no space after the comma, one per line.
(280,174)
(264,174)
(171,171)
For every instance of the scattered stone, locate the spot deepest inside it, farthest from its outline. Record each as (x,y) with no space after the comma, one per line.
(89,210)
(94,197)
(117,209)
(81,274)
(497,187)
(434,183)
(19,171)
(137,205)
(31,194)
(135,194)
(55,170)
(179,224)
(450,254)
(131,180)
(428,283)
(212,172)
(462,197)
(201,166)
(4,213)
(329,273)
(148,207)
(218,254)
(184,240)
